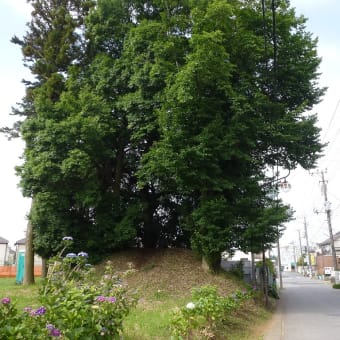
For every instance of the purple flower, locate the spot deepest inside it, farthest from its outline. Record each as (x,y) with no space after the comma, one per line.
(27,309)
(6,301)
(83,254)
(40,311)
(67,238)
(101,298)
(53,331)
(111,299)
(71,255)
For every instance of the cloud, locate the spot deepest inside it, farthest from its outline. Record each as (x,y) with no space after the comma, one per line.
(313,4)
(20,6)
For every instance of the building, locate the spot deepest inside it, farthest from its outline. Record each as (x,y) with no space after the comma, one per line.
(20,246)
(325,246)
(324,259)
(4,251)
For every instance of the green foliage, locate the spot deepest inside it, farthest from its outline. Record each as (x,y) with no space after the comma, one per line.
(206,313)
(154,123)
(336,286)
(302,261)
(75,304)
(269,264)
(237,270)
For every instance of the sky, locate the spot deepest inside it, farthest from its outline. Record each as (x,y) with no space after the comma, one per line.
(305,195)
(13,206)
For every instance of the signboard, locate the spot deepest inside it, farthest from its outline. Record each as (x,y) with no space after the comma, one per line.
(328,270)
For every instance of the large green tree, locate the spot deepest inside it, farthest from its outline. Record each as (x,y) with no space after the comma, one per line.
(235,108)
(155,121)
(52,43)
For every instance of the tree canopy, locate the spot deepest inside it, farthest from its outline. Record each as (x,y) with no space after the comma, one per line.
(153,123)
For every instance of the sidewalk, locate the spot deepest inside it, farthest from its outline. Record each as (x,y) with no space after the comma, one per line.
(275,329)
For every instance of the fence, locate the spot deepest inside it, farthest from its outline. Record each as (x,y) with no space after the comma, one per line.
(10,271)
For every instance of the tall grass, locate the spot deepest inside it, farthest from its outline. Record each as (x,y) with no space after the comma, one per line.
(23,296)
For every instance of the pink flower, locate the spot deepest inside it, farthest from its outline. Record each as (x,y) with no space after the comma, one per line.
(5,300)
(111,299)
(101,298)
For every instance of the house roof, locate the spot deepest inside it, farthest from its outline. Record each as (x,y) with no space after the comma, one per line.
(3,241)
(22,241)
(336,236)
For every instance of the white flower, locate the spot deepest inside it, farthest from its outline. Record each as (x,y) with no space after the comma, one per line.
(67,238)
(71,255)
(190,305)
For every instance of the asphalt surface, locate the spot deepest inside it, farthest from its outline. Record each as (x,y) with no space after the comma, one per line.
(308,309)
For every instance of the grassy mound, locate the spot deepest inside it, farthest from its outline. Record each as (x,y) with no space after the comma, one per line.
(164,279)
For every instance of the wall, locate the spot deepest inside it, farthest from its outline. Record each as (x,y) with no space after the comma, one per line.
(337,246)
(323,261)
(3,253)
(10,271)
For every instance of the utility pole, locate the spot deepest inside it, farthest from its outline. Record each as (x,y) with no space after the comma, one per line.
(308,252)
(279,261)
(294,254)
(303,260)
(329,221)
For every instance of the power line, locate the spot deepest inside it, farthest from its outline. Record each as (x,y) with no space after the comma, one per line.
(331,120)
(333,139)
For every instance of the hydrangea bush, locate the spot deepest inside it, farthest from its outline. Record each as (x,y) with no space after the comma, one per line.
(205,313)
(75,303)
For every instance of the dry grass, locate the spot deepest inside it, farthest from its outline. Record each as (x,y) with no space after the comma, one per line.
(173,271)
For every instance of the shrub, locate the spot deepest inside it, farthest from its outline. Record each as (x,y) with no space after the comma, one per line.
(75,303)
(205,313)
(336,285)
(237,270)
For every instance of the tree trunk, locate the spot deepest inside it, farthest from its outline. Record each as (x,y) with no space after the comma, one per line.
(44,268)
(253,270)
(29,256)
(265,278)
(151,231)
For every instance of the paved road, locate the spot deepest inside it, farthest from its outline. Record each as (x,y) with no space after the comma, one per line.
(309,309)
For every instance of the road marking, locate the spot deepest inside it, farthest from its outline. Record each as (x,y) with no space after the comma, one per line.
(282,329)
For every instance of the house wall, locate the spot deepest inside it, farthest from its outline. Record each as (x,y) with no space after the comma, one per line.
(337,246)
(3,253)
(323,261)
